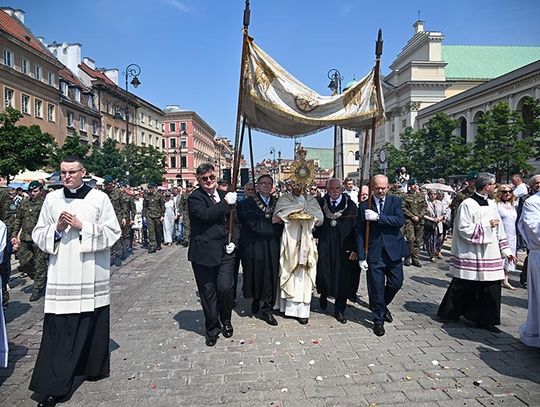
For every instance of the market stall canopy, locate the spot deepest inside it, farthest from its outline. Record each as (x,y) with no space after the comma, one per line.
(439,187)
(29,176)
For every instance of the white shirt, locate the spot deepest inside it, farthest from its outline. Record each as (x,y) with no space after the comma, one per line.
(337,201)
(521,190)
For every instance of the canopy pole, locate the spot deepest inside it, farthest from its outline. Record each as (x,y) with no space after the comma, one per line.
(251,156)
(239,135)
(376,78)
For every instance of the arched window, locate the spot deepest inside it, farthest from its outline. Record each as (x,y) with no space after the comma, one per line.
(463,129)
(476,119)
(525,108)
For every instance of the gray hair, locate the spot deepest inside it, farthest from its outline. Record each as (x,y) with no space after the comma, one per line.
(533,179)
(483,179)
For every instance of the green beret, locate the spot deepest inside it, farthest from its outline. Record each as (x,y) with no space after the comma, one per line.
(472,175)
(412,181)
(151,184)
(34,184)
(108,180)
(396,180)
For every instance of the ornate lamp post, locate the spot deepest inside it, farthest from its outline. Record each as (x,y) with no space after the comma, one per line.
(335,85)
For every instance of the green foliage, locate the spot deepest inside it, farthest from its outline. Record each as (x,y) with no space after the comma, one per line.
(531,125)
(21,147)
(497,148)
(144,164)
(72,147)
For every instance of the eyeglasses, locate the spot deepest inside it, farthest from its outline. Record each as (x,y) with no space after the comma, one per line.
(208,177)
(506,192)
(264,183)
(72,172)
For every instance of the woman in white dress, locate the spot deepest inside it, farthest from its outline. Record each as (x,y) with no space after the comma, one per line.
(137,222)
(168,220)
(506,205)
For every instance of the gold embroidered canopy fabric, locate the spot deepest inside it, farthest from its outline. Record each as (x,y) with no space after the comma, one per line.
(277,103)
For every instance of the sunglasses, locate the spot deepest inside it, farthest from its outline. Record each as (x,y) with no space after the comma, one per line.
(506,192)
(208,178)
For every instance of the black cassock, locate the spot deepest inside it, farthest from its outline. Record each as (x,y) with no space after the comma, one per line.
(260,250)
(335,243)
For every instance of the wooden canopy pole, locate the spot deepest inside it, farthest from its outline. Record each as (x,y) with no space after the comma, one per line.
(238,140)
(378,53)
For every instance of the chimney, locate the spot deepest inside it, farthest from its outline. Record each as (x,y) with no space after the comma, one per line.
(89,62)
(112,74)
(418,26)
(17,13)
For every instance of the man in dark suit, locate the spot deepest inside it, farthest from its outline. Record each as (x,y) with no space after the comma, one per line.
(211,252)
(386,248)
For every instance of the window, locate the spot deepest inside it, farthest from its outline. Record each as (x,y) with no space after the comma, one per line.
(183,144)
(82,123)
(37,72)
(90,100)
(183,162)
(172,127)
(8,58)
(142,117)
(95,127)
(172,142)
(25,65)
(109,131)
(65,89)
(183,127)
(51,78)
(173,162)
(143,141)
(8,97)
(163,143)
(70,119)
(50,113)
(25,104)
(108,107)
(38,108)
(77,94)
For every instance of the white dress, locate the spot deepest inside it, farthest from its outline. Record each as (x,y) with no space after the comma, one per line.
(168,221)
(529,226)
(508,214)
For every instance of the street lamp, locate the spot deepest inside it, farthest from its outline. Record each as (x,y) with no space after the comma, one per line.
(335,85)
(182,133)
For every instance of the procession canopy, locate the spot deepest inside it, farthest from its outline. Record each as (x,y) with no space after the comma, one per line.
(275,102)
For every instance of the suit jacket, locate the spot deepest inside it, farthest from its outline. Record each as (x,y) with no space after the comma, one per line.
(385,234)
(209,228)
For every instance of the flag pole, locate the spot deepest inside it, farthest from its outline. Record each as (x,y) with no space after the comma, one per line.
(239,135)
(376,78)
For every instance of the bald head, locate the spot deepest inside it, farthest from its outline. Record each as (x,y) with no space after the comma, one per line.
(379,185)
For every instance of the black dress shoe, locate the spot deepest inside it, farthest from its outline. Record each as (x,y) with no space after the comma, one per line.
(323,302)
(36,295)
(379,330)
(490,328)
(49,401)
(269,319)
(407,261)
(388,317)
(416,263)
(354,298)
(255,306)
(228,329)
(340,318)
(303,321)
(211,340)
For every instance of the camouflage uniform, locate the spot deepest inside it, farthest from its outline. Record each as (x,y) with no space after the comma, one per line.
(129,214)
(460,197)
(414,204)
(5,266)
(183,209)
(32,260)
(153,211)
(118,205)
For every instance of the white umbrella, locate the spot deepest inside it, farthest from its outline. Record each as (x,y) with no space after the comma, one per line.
(439,187)
(29,176)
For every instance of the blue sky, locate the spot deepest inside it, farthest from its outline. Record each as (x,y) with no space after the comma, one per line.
(189,50)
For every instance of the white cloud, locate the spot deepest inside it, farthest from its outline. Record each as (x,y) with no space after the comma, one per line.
(177,5)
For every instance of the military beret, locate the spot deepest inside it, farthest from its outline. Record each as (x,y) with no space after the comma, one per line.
(223,181)
(189,184)
(472,175)
(108,180)
(34,184)
(151,184)
(396,180)
(413,181)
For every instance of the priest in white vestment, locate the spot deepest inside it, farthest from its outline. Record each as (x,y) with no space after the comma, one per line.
(529,226)
(479,245)
(77,226)
(300,213)
(3,334)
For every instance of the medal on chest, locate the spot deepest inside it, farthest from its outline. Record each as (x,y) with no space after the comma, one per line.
(336,215)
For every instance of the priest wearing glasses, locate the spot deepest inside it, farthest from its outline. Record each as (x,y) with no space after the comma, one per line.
(77,226)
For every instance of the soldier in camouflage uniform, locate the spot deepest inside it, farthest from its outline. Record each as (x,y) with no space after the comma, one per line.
(154,212)
(465,193)
(414,210)
(5,266)
(31,259)
(395,188)
(130,212)
(118,205)
(183,209)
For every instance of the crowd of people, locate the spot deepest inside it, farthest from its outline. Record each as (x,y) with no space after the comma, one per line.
(289,240)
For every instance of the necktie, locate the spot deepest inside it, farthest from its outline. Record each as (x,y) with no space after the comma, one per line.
(334,204)
(213,198)
(381,206)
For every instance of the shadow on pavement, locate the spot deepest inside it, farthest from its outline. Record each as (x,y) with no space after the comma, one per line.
(15,310)
(431,281)
(425,308)
(190,320)
(16,352)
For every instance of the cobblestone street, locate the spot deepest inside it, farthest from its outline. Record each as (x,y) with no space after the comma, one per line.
(159,357)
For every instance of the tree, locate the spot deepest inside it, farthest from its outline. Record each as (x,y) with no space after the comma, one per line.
(107,160)
(71,147)
(147,164)
(21,147)
(497,148)
(531,123)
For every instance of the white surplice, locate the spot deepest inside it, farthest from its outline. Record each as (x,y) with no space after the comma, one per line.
(529,226)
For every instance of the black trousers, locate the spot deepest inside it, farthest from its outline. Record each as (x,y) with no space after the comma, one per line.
(216,290)
(478,301)
(71,345)
(384,280)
